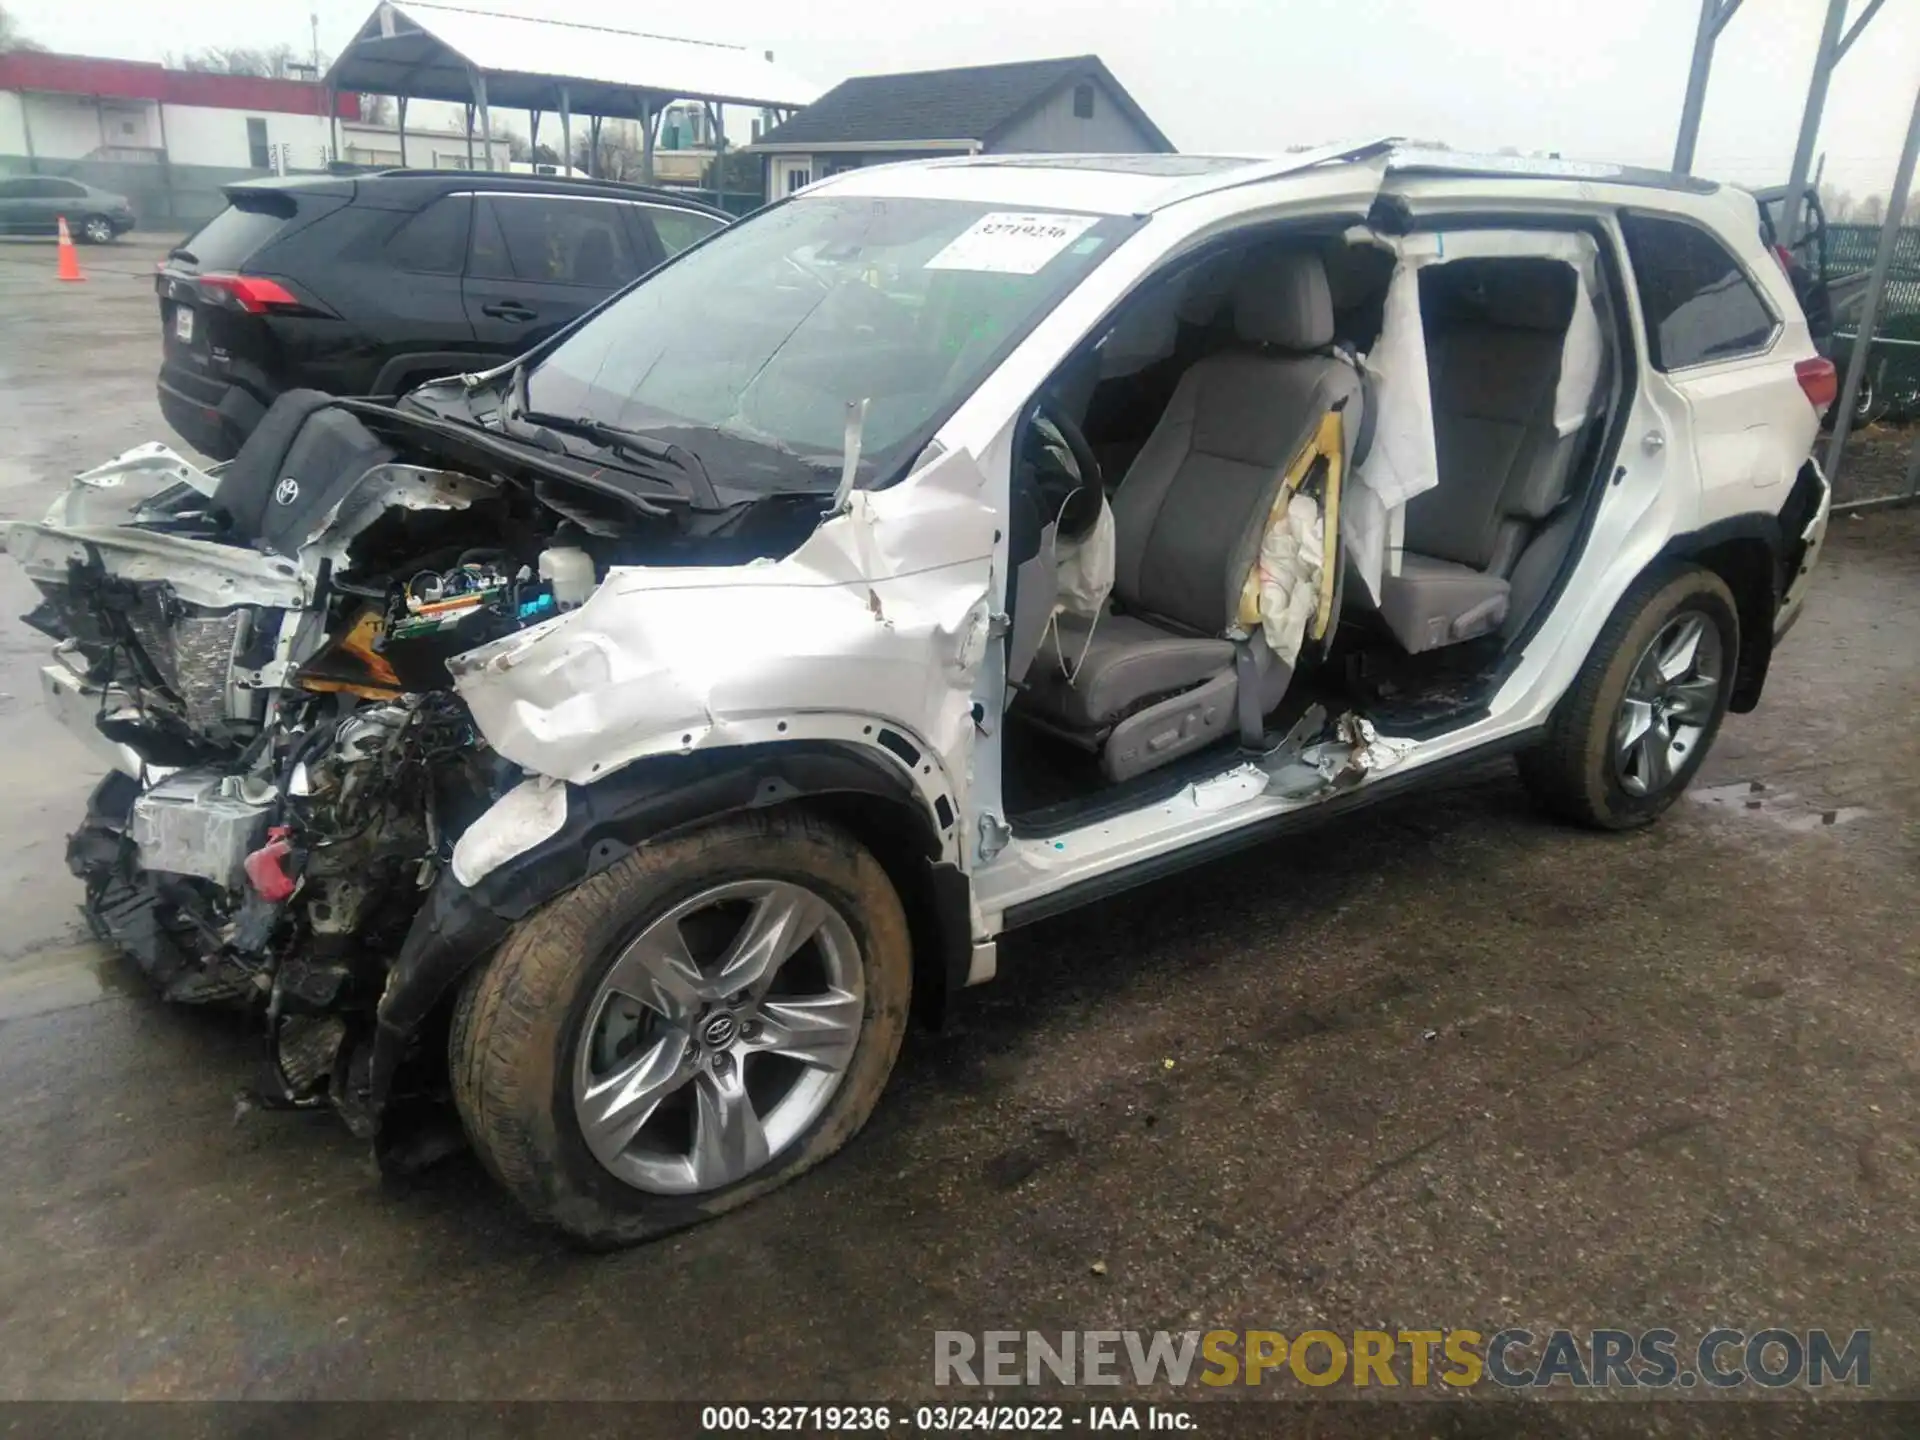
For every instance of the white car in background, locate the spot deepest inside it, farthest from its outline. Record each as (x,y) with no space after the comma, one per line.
(614,749)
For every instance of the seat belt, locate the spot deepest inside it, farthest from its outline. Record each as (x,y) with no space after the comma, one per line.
(1252,660)
(1369,416)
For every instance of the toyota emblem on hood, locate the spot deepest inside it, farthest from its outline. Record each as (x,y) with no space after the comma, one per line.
(287,491)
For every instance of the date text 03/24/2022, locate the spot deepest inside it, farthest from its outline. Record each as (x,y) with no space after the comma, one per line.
(943,1419)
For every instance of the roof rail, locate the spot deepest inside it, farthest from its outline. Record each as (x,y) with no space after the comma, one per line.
(1255,171)
(535,178)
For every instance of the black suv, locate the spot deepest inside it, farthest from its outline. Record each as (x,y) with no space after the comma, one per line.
(370,284)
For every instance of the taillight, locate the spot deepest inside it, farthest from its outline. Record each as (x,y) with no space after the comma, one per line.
(1820,380)
(254,294)
(1785,257)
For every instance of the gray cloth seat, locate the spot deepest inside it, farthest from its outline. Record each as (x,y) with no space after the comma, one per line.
(1495,333)
(1126,660)
(1159,678)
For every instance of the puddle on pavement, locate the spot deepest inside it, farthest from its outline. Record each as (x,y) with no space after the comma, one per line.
(1756,799)
(62,977)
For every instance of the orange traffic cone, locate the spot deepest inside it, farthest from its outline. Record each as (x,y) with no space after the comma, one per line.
(69,257)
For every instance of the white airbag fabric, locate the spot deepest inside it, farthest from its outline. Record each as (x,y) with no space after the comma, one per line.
(1403,462)
(1086,567)
(1292,556)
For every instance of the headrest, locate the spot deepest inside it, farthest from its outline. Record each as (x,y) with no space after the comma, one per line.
(1204,289)
(1515,294)
(1147,330)
(1281,298)
(1357,274)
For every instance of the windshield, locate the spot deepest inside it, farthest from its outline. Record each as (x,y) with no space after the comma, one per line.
(767,332)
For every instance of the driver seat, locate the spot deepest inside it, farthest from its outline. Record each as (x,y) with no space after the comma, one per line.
(1155,676)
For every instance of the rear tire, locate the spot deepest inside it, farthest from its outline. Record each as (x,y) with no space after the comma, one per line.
(1628,737)
(97,230)
(531,1057)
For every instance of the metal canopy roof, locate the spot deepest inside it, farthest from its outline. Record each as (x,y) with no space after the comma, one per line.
(429,52)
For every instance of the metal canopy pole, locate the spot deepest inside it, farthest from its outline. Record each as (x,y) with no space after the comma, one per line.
(715,120)
(566,129)
(646,139)
(486,118)
(1870,314)
(1714,15)
(403,131)
(1792,210)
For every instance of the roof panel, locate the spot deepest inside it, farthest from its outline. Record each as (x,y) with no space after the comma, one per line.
(522,57)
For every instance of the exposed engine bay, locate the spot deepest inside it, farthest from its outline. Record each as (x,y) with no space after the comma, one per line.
(261,657)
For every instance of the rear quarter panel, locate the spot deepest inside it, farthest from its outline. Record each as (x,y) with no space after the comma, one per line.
(1752,424)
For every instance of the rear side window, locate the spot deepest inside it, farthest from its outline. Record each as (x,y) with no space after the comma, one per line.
(226,241)
(36,189)
(552,240)
(1699,303)
(677,229)
(434,242)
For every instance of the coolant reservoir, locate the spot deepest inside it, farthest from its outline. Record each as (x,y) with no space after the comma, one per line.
(570,571)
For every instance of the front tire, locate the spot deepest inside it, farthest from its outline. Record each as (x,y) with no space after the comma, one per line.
(692,1027)
(1630,734)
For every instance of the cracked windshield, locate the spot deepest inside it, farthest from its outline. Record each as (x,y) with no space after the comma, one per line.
(766,332)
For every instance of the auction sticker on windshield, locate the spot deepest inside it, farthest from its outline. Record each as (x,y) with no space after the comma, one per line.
(1010,243)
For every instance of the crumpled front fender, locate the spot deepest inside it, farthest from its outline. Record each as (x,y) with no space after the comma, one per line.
(883,612)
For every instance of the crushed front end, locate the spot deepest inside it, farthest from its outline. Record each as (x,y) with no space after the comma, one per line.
(259,660)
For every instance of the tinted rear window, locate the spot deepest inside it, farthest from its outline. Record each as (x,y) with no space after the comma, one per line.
(434,242)
(554,240)
(1699,303)
(225,241)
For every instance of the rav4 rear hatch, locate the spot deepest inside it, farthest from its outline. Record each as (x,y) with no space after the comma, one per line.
(218,292)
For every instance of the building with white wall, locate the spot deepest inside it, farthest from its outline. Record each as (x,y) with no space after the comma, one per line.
(166,139)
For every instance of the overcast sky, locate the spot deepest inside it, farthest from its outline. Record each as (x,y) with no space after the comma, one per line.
(1595,79)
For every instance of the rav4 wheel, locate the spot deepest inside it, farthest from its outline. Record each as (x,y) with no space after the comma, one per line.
(97,230)
(695,1025)
(1639,719)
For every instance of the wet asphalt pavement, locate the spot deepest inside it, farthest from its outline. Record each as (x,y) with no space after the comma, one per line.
(1445,1064)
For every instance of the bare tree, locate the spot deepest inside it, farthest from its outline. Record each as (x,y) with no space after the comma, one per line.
(1836,204)
(376,109)
(276,62)
(12,37)
(619,157)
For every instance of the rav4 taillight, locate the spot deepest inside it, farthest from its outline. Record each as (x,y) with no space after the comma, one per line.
(254,294)
(1820,380)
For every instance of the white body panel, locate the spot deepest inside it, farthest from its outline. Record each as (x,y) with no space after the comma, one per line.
(883,618)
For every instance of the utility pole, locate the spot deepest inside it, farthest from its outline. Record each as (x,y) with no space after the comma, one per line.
(1870,313)
(1714,15)
(314,21)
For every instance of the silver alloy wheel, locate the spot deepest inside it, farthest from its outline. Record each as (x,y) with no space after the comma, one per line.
(1669,703)
(718,1036)
(98,230)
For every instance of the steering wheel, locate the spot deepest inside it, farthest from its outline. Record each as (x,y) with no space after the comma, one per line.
(1080,507)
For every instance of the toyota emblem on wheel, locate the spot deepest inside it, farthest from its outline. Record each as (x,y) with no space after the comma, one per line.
(287,491)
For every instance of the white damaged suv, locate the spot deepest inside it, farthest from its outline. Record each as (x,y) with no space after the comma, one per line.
(604,757)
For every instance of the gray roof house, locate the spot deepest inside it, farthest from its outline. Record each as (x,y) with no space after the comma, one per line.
(1032,106)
